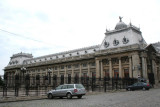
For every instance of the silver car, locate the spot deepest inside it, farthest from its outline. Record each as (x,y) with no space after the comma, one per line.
(67,90)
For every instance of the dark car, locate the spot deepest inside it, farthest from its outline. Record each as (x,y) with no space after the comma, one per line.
(139,86)
(67,90)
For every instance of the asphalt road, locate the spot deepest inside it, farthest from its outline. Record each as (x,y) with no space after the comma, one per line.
(139,98)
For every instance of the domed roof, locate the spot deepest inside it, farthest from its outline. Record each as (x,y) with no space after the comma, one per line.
(120,24)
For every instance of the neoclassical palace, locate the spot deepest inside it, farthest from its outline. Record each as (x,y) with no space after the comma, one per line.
(123,53)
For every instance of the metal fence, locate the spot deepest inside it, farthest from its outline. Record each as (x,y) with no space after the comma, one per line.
(37,86)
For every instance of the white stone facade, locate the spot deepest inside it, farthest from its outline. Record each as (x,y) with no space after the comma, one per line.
(123,53)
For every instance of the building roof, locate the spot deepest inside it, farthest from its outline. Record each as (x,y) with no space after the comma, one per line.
(157,46)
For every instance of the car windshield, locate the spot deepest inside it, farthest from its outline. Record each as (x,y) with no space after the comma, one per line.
(79,86)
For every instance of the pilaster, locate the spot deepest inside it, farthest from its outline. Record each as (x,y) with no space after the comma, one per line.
(110,68)
(136,65)
(120,68)
(130,67)
(88,70)
(97,68)
(101,69)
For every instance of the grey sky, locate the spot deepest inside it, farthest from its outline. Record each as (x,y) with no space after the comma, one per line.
(49,26)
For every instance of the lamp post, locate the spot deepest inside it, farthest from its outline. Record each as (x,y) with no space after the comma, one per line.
(49,73)
(23,69)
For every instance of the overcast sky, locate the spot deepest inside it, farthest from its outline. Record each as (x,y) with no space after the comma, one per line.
(43,27)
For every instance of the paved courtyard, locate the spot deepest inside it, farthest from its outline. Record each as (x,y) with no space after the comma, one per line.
(140,98)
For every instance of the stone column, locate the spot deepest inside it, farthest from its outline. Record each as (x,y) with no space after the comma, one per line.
(101,69)
(136,64)
(154,69)
(159,73)
(80,70)
(110,68)
(144,67)
(88,70)
(72,74)
(65,74)
(97,68)
(58,68)
(130,67)
(120,68)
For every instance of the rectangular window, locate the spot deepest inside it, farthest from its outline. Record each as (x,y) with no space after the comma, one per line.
(55,67)
(116,73)
(62,67)
(69,66)
(84,65)
(126,73)
(93,64)
(76,65)
(70,86)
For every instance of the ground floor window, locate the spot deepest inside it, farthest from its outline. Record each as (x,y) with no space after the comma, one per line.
(106,73)
(126,73)
(69,78)
(76,78)
(62,79)
(116,73)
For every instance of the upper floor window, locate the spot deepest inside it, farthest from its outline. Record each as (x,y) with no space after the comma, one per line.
(55,67)
(76,65)
(69,66)
(62,67)
(93,64)
(84,64)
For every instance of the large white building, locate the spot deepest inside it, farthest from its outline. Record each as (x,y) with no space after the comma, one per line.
(123,53)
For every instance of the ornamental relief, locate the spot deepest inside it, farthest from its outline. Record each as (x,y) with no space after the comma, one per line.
(125,40)
(106,44)
(115,42)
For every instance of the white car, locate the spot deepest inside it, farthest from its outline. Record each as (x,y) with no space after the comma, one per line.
(67,90)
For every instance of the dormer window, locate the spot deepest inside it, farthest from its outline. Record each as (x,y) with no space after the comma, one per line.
(125,40)
(115,42)
(106,44)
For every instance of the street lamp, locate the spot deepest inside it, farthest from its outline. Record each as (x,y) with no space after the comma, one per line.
(49,72)
(23,69)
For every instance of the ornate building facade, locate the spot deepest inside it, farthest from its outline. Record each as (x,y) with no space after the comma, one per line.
(122,54)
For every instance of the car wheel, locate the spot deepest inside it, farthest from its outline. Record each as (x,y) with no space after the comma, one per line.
(50,96)
(69,96)
(129,89)
(80,96)
(143,89)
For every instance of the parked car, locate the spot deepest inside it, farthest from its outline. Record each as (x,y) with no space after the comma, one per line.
(138,86)
(67,90)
